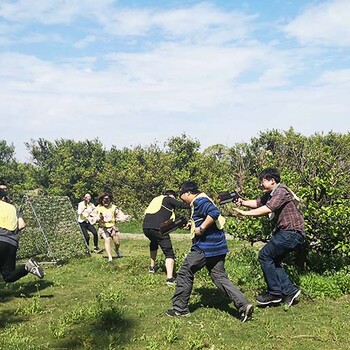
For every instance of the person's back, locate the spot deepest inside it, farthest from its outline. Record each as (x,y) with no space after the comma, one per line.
(161,209)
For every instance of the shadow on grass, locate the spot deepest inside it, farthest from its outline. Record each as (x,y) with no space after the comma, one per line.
(213,298)
(7,317)
(8,291)
(110,330)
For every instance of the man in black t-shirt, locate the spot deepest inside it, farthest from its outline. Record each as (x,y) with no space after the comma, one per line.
(159,210)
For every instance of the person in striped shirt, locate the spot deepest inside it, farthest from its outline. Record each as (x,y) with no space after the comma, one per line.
(209,249)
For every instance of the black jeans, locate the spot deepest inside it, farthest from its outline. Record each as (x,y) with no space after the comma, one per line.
(8,268)
(163,241)
(216,266)
(85,227)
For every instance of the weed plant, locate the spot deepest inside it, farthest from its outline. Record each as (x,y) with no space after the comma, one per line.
(92,304)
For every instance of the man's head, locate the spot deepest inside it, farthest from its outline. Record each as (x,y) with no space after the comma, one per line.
(87,197)
(269,178)
(3,186)
(170,193)
(3,195)
(188,191)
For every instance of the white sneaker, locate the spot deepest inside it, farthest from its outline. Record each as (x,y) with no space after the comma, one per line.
(34,268)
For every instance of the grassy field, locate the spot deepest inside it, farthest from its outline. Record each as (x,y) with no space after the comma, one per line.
(90,304)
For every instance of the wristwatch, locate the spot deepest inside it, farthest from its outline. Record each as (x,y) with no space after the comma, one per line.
(201,229)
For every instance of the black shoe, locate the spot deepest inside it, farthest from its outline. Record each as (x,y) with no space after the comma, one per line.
(289,299)
(170,281)
(267,299)
(248,313)
(97,250)
(173,313)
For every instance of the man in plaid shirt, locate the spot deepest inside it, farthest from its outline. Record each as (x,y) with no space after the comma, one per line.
(278,202)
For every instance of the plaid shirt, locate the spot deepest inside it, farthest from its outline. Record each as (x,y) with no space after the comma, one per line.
(285,216)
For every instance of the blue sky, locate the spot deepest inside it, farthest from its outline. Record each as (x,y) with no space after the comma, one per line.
(137,72)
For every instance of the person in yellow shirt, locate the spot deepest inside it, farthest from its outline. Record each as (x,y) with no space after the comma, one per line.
(10,225)
(109,214)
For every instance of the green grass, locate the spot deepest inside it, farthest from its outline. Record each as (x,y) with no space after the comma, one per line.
(90,304)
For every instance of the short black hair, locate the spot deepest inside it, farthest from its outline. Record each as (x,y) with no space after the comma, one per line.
(3,193)
(189,186)
(270,173)
(170,193)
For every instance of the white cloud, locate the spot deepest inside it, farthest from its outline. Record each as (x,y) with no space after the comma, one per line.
(327,23)
(203,22)
(52,11)
(81,44)
(340,77)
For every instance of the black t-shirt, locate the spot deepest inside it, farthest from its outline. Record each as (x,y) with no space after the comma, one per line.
(154,221)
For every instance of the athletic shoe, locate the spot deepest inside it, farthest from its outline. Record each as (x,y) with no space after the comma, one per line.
(97,250)
(173,313)
(152,269)
(170,281)
(267,299)
(119,254)
(289,299)
(34,268)
(248,313)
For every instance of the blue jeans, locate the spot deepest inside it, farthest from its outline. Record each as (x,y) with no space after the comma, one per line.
(270,258)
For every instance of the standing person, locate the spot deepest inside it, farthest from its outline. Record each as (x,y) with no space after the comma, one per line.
(10,225)
(109,214)
(278,202)
(159,210)
(87,217)
(209,249)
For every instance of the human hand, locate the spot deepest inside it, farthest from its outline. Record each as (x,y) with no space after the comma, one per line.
(239,212)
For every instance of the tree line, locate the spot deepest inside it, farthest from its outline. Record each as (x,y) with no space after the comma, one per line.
(316,168)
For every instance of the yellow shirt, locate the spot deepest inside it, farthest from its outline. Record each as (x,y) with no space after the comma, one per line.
(109,215)
(8,216)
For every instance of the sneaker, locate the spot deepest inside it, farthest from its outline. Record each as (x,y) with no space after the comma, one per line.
(289,299)
(97,250)
(152,269)
(119,254)
(267,299)
(34,268)
(247,314)
(173,313)
(170,281)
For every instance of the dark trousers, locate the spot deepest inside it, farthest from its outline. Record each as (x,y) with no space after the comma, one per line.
(270,258)
(163,241)
(85,227)
(216,266)
(8,263)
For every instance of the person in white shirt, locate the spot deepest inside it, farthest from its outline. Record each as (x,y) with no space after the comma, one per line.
(87,217)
